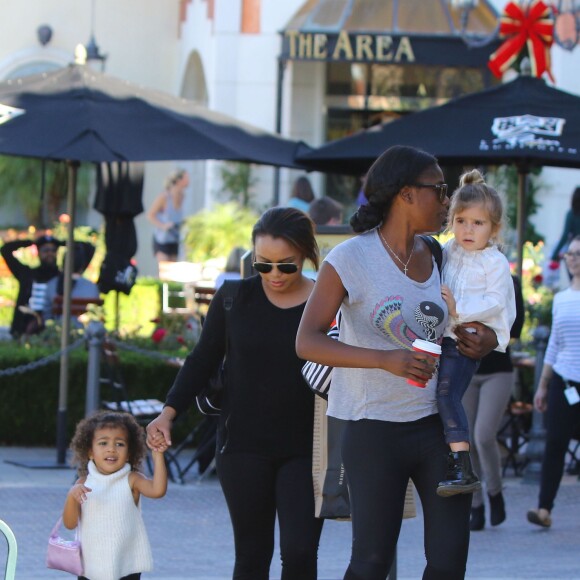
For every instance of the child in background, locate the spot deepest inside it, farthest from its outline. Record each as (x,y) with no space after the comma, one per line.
(477,286)
(108,449)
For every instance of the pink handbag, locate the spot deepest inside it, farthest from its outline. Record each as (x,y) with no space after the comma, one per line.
(64,554)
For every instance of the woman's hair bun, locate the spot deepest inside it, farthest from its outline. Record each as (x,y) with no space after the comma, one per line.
(366,217)
(471,177)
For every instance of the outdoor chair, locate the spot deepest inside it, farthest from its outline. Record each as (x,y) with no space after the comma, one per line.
(513,435)
(12,554)
(202,296)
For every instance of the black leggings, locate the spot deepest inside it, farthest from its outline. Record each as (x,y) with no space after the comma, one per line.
(379,458)
(561,420)
(257,489)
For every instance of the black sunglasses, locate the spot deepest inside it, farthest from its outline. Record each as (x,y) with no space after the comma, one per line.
(284,267)
(440,188)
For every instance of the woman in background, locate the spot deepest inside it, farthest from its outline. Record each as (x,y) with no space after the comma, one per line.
(558,389)
(302,194)
(571,228)
(166,215)
(485,403)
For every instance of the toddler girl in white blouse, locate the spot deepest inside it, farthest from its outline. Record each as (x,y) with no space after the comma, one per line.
(477,286)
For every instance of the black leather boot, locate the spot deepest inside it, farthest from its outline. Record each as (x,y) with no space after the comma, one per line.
(477,519)
(460,477)
(497,509)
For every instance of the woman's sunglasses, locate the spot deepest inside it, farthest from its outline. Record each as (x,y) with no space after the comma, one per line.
(283,267)
(440,188)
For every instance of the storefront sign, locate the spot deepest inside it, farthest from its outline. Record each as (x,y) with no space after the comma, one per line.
(344,46)
(379,48)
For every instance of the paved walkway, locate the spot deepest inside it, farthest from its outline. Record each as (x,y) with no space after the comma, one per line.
(191,536)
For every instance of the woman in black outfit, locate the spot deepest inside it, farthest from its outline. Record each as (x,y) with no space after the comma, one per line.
(264,447)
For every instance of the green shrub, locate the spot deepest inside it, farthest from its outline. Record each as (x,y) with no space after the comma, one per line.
(30,400)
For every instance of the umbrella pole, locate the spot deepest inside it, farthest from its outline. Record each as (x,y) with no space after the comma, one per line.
(521,213)
(279,91)
(117,317)
(61,438)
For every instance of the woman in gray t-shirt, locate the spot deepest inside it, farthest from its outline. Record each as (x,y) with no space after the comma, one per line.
(386,283)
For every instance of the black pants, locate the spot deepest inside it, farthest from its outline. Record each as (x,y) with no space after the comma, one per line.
(561,419)
(379,458)
(257,489)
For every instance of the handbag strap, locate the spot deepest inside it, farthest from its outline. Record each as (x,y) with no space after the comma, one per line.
(55,530)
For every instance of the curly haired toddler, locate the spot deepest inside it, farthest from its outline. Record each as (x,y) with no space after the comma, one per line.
(104,502)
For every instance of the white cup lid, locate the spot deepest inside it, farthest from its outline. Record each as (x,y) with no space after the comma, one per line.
(427,346)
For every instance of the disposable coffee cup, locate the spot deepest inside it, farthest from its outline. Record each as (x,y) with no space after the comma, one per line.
(430,348)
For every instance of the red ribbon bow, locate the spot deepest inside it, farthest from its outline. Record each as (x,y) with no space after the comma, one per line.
(534,26)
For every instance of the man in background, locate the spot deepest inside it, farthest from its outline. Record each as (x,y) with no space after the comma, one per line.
(324,211)
(32,281)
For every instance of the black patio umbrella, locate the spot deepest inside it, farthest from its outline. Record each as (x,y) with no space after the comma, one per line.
(524,122)
(76,114)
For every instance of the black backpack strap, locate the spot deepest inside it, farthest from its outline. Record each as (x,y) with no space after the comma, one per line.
(230,291)
(436,250)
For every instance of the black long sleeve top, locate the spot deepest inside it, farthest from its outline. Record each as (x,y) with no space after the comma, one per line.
(267,408)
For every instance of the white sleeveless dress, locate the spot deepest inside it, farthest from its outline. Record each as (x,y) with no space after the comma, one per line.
(112,532)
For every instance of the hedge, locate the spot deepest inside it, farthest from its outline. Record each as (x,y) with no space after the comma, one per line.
(29,401)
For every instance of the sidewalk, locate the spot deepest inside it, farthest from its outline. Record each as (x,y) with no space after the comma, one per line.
(191,536)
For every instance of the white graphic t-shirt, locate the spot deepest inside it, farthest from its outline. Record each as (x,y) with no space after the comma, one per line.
(383,309)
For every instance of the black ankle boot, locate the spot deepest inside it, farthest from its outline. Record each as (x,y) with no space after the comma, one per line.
(497,509)
(460,477)
(477,519)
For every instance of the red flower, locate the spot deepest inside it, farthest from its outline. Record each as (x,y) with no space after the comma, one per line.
(554,265)
(538,279)
(180,340)
(158,335)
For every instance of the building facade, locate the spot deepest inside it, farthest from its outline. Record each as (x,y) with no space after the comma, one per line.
(311,69)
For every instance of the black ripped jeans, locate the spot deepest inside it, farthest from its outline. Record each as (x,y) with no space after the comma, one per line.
(379,458)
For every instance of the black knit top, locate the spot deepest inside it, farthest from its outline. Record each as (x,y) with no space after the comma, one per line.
(268,408)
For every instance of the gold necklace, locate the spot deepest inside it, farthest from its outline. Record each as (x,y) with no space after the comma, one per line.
(404,264)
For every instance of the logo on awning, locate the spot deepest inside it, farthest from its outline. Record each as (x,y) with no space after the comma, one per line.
(526,131)
(8,113)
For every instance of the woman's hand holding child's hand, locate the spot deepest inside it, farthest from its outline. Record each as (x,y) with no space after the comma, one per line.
(157,442)
(159,430)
